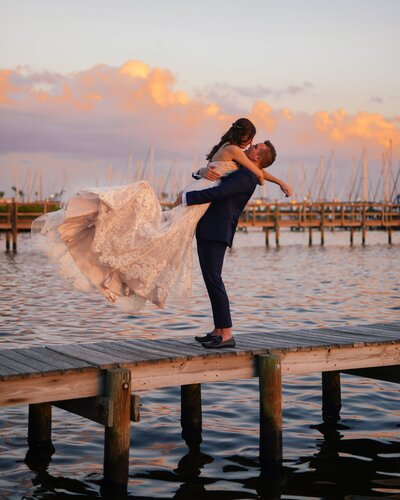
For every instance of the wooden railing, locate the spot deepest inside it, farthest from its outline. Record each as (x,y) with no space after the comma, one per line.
(16,217)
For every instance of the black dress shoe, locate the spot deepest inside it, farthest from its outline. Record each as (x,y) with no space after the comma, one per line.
(217,342)
(205,338)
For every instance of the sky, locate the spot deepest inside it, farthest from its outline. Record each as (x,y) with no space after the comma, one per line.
(88,88)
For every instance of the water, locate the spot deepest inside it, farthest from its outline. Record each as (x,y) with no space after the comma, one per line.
(270,289)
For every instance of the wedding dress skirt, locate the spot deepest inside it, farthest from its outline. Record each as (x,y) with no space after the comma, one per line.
(120,242)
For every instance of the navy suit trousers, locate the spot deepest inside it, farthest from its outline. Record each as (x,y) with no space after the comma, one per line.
(211,257)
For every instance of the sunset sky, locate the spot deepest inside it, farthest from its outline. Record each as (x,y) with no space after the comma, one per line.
(84,84)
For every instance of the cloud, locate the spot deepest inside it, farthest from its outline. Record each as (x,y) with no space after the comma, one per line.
(368,127)
(262,114)
(257,92)
(102,111)
(105,112)
(6,87)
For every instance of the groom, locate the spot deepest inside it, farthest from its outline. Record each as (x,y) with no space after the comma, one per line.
(215,232)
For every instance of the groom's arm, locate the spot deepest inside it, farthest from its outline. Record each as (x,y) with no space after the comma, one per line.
(209,172)
(233,184)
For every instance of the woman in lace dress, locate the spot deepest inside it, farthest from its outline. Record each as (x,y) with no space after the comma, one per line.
(120,242)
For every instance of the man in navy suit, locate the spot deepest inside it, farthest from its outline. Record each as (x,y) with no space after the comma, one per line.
(215,232)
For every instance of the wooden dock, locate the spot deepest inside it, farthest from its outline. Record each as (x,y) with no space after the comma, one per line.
(102,381)
(17,217)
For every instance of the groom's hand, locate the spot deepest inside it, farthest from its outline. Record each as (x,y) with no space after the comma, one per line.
(210,173)
(178,200)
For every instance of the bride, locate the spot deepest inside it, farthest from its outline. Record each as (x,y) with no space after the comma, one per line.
(120,242)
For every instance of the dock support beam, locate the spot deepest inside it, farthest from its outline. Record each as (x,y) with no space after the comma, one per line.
(191,417)
(270,380)
(39,426)
(331,397)
(117,437)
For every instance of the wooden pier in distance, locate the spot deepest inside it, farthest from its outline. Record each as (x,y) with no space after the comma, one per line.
(102,381)
(17,217)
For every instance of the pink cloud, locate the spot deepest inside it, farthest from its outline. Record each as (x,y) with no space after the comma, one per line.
(105,111)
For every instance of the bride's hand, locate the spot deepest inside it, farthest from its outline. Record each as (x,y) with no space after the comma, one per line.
(260,178)
(286,189)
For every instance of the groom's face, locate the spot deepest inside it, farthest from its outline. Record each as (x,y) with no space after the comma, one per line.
(253,153)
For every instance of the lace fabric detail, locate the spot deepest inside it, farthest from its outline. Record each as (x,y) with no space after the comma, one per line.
(119,241)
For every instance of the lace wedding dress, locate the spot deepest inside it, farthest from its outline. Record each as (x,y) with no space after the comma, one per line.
(120,242)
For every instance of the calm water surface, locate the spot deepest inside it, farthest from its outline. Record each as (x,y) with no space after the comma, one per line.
(270,289)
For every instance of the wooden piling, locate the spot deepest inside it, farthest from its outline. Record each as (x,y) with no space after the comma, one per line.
(351,236)
(191,416)
(363,225)
(14,222)
(322,224)
(267,237)
(39,426)
(8,241)
(331,397)
(277,228)
(310,236)
(270,383)
(117,436)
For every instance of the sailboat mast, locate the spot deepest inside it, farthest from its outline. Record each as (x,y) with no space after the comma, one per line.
(365,177)
(385,177)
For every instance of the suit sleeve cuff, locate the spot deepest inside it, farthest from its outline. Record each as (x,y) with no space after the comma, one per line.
(196,175)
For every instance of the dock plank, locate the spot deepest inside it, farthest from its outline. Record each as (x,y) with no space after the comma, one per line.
(153,355)
(24,365)
(108,351)
(337,337)
(381,327)
(147,354)
(121,349)
(284,341)
(9,367)
(50,358)
(79,352)
(376,333)
(163,351)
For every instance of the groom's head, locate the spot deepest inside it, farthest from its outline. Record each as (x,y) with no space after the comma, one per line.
(262,154)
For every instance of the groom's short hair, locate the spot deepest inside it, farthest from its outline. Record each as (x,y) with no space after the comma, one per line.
(267,157)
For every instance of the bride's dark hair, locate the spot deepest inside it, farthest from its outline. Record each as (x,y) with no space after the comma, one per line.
(241,131)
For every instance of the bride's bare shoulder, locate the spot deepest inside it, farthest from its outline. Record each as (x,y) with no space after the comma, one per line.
(226,152)
(231,147)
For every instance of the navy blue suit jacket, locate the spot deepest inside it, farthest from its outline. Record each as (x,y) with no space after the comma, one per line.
(227,203)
